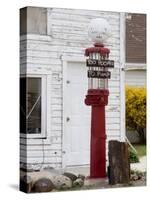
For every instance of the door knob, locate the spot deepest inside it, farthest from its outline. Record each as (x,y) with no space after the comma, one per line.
(67,119)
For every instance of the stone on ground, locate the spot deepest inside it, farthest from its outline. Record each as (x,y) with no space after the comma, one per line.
(62,182)
(72,176)
(81,176)
(78,182)
(43,185)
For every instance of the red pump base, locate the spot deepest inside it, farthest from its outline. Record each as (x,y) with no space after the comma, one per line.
(97,99)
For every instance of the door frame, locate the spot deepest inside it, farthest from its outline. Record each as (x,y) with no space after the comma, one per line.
(65,61)
(122,78)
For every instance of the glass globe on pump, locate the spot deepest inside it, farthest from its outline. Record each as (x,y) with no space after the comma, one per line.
(99,30)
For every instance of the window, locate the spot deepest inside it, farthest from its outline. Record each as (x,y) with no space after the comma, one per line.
(135,38)
(32,105)
(33,116)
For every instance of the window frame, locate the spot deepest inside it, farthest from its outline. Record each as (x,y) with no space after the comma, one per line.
(43,107)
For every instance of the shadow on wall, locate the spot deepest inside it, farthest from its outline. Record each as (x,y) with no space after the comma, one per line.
(133,136)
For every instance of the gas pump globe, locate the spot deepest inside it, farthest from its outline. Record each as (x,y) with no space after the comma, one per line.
(98,73)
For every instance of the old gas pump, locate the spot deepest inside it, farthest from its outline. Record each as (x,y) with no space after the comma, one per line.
(98,73)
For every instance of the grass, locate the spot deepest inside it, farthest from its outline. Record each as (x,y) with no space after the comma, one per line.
(141,149)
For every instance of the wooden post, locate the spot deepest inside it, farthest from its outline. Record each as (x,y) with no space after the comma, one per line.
(119,164)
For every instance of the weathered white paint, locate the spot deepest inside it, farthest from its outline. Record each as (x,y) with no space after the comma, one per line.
(53,53)
(135,66)
(122,77)
(76,136)
(135,78)
(135,74)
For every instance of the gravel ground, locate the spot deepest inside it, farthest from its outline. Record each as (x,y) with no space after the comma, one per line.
(141,166)
(138,177)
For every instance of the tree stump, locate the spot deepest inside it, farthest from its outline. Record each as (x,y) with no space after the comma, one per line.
(119,164)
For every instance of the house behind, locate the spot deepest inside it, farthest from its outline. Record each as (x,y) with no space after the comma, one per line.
(52,44)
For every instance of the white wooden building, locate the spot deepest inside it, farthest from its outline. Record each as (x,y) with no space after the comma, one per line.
(52,45)
(135,65)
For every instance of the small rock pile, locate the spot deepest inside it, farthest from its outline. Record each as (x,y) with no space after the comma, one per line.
(137,175)
(53,183)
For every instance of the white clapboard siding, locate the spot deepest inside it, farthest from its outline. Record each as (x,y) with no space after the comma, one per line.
(77,20)
(39,153)
(56,120)
(80,18)
(40,159)
(135,78)
(63,43)
(40,147)
(87,13)
(53,56)
(41,142)
(112,114)
(67,30)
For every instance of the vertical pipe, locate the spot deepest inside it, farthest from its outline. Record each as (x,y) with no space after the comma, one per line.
(87,68)
(98,140)
(97,68)
(105,80)
(91,79)
(93,56)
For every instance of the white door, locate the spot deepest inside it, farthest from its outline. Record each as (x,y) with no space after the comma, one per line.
(76,139)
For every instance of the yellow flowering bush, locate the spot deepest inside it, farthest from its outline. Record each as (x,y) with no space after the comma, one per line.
(136,109)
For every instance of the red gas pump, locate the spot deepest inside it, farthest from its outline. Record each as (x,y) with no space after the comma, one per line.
(97,95)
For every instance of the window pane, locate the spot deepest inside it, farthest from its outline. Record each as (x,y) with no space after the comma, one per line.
(135,38)
(23,105)
(33,105)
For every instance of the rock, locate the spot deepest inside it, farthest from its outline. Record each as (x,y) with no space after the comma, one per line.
(134,177)
(73,177)
(78,182)
(43,185)
(62,182)
(26,184)
(140,177)
(81,176)
(143,178)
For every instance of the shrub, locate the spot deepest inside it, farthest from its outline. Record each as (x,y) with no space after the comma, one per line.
(133,156)
(136,110)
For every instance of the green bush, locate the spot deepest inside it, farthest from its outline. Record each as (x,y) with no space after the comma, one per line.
(133,156)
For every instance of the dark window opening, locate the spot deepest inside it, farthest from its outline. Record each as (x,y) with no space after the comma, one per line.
(135,38)
(30,105)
